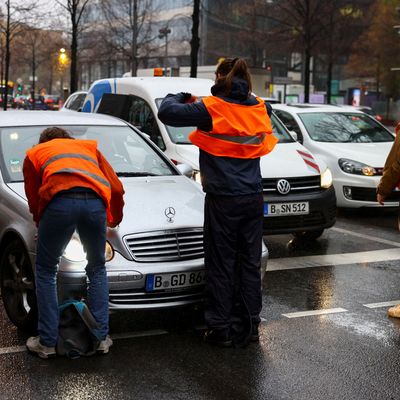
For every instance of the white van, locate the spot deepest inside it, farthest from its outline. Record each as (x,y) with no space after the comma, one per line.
(298,194)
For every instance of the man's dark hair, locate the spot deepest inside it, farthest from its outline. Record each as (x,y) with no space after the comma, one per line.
(54,133)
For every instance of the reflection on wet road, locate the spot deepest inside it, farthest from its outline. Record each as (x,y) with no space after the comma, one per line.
(325,333)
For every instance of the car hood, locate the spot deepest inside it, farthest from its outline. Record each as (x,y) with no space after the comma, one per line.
(147,201)
(290,160)
(373,154)
(291,155)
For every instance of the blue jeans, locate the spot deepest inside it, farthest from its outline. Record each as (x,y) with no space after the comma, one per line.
(59,221)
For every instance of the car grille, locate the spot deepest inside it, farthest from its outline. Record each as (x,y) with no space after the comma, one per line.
(132,297)
(171,245)
(298,184)
(369,194)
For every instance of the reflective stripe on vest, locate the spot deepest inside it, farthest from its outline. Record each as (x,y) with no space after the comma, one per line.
(238,139)
(68,155)
(82,171)
(238,131)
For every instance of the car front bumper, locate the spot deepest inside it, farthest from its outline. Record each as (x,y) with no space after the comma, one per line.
(355,191)
(322,212)
(127,285)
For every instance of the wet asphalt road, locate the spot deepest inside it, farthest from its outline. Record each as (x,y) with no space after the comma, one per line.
(350,352)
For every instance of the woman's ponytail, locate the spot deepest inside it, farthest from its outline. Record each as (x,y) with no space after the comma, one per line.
(233,68)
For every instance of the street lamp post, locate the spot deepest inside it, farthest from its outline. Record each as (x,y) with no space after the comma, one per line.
(163,33)
(62,63)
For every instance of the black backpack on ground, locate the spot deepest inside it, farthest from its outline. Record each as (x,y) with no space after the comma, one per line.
(77,328)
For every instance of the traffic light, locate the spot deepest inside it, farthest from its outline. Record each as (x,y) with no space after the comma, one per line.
(19,88)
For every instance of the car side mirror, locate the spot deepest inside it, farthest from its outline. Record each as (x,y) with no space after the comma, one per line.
(185,169)
(293,134)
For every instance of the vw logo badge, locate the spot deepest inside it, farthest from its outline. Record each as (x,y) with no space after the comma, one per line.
(283,186)
(170,214)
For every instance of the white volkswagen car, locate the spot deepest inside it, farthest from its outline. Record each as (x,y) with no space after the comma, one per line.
(353,145)
(298,194)
(154,258)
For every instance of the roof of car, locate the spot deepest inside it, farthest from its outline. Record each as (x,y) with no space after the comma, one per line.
(313,108)
(161,86)
(33,118)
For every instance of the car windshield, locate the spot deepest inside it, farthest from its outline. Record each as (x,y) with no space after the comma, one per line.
(181,135)
(127,152)
(344,127)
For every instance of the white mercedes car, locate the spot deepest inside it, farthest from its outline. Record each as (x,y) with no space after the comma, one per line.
(353,145)
(154,258)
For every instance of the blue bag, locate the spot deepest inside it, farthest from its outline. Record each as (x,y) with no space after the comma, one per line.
(77,330)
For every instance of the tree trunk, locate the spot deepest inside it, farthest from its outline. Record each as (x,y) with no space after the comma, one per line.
(307,60)
(8,57)
(134,61)
(74,55)
(329,82)
(33,75)
(195,42)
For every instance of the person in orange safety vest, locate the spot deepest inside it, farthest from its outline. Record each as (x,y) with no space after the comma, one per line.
(233,131)
(70,187)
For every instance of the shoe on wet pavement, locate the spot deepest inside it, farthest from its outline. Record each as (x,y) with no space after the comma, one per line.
(34,346)
(218,337)
(394,312)
(104,345)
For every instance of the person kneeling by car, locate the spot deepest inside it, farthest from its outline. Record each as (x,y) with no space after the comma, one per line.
(70,186)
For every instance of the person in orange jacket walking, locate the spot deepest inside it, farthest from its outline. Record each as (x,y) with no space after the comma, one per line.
(390,179)
(233,131)
(70,186)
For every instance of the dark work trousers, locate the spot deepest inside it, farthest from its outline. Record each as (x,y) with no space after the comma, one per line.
(232,246)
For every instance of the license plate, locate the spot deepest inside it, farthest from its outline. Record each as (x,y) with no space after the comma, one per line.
(281,209)
(175,281)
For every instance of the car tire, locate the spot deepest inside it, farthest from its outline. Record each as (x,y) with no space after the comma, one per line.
(18,286)
(308,235)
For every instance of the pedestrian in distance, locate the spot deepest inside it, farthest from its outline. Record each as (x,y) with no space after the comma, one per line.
(70,187)
(233,131)
(391,179)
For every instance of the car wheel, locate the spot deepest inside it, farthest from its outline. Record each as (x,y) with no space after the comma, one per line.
(18,286)
(308,235)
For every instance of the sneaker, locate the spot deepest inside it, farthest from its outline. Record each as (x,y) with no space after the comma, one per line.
(218,337)
(104,345)
(255,335)
(394,312)
(33,344)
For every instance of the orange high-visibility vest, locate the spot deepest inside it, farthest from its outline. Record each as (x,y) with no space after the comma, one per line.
(238,131)
(78,157)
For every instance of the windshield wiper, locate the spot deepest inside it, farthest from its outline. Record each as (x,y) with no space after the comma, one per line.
(130,174)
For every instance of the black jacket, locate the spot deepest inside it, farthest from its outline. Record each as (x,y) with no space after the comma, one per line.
(220,175)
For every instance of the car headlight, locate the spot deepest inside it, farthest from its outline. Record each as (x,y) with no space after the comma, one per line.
(357,168)
(74,251)
(109,253)
(326,179)
(196,176)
